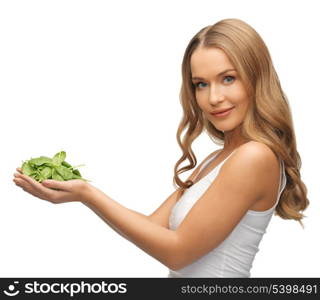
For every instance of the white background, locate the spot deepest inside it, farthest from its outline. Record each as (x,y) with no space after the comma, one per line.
(100,80)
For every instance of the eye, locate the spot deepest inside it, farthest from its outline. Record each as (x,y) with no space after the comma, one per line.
(197,84)
(229,77)
(232,77)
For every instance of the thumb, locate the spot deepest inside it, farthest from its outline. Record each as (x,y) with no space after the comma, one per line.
(56,184)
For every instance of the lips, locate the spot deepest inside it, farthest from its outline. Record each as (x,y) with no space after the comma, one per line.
(221,111)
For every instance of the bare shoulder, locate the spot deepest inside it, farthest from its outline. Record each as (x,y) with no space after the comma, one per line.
(241,182)
(253,158)
(256,153)
(258,159)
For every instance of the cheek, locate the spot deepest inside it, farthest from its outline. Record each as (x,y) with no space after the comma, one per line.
(200,101)
(242,106)
(240,97)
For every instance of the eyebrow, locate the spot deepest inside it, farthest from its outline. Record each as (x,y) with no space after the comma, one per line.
(221,73)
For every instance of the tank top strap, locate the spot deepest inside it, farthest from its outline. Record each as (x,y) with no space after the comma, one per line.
(208,161)
(282,183)
(213,158)
(222,162)
(283,177)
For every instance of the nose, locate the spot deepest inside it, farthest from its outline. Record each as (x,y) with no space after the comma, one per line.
(215,96)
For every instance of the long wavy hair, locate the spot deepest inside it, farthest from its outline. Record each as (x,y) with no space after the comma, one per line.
(268,119)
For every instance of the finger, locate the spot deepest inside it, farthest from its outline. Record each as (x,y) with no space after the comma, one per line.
(29,189)
(60,185)
(26,187)
(19,170)
(37,187)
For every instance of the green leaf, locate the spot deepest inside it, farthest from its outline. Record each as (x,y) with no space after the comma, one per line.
(76,172)
(46,172)
(36,177)
(40,161)
(59,158)
(64,163)
(27,169)
(74,176)
(64,172)
(56,176)
(43,167)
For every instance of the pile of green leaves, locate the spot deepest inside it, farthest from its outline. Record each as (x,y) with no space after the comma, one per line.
(43,167)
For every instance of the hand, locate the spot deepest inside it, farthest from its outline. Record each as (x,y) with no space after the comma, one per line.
(54,191)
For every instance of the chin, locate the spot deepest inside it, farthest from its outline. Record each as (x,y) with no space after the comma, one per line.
(224,128)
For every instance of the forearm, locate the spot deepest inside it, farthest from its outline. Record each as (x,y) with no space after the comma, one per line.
(98,213)
(157,241)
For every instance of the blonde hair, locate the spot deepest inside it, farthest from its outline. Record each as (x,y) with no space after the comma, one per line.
(268,119)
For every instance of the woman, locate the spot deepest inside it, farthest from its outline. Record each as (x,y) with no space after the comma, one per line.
(212,224)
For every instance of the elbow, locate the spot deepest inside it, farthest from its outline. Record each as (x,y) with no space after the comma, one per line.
(174,267)
(176,260)
(176,263)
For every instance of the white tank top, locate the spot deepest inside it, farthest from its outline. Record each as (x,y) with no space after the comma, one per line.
(234,256)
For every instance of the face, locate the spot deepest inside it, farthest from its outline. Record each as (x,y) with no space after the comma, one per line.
(218,87)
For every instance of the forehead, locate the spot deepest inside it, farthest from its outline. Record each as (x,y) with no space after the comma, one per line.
(209,61)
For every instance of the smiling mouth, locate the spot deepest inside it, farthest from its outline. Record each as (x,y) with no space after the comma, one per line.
(223,113)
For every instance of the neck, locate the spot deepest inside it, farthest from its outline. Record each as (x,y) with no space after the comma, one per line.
(233,140)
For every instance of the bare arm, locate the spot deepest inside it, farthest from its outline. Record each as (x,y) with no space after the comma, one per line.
(150,233)
(98,213)
(154,239)
(162,213)
(239,184)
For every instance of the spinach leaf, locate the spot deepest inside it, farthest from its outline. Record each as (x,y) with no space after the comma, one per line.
(43,167)
(59,158)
